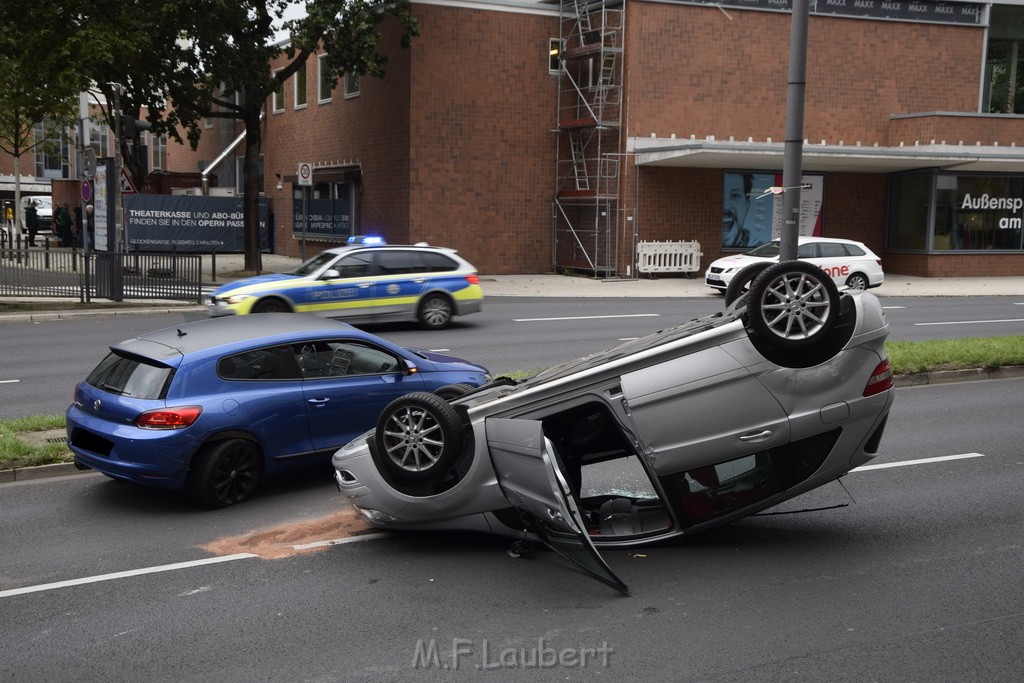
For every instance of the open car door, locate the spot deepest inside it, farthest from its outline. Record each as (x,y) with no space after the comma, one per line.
(531,477)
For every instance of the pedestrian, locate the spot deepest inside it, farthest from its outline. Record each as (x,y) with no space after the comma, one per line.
(88,239)
(32,223)
(63,221)
(10,217)
(78,226)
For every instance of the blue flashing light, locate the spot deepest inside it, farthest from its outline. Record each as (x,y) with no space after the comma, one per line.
(367,240)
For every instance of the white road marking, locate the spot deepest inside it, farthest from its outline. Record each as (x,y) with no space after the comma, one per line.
(340,541)
(9,381)
(178,565)
(123,575)
(587,317)
(892,308)
(439,350)
(922,461)
(973,322)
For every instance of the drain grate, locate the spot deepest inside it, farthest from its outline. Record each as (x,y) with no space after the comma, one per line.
(59,439)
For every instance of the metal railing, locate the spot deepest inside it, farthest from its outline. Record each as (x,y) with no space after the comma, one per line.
(61,272)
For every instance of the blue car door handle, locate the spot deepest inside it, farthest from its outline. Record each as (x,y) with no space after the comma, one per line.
(318,401)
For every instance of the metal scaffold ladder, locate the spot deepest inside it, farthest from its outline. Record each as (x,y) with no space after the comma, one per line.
(586,204)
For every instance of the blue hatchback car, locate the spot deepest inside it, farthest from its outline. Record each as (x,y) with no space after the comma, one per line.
(215,405)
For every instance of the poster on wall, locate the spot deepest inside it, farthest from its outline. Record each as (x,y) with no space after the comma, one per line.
(103,206)
(327,218)
(752,208)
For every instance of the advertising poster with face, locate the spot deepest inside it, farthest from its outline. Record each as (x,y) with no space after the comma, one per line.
(752,208)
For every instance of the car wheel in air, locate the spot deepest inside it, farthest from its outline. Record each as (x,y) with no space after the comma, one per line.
(226,472)
(452,391)
(740,283)
(271,306)
(792,305)
(419,436)
(857,281)
(435,312)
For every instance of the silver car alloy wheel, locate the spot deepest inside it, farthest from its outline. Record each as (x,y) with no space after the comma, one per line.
(795,305)
(413,439)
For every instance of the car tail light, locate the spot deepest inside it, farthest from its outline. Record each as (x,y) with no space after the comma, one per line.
(169,418)
(473,279)
(880,380)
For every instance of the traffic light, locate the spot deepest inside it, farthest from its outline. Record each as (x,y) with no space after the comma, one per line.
(131,127)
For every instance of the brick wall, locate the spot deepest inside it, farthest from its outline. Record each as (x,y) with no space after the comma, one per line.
(694,71)
(482,152)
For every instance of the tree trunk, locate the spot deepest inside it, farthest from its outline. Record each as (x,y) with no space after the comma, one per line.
(251,190)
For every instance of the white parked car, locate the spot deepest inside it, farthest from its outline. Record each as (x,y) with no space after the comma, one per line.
(849,263)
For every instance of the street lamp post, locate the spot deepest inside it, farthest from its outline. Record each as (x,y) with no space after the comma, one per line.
(792,163)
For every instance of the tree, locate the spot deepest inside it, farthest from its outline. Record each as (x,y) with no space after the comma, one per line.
(222,48)
(38,98)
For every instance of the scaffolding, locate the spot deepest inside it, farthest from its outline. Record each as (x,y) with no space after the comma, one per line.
(585,211)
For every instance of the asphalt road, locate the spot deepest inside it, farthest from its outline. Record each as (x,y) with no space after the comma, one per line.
(918,579)
(41,362)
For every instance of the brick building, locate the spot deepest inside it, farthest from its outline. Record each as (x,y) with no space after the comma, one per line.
(647,115)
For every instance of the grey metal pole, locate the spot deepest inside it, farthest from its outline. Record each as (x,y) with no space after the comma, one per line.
(792,162)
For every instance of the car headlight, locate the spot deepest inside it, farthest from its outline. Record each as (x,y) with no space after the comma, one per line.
(236,298)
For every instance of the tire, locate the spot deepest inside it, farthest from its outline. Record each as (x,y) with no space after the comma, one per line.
(271,306)
(226,473)
(792,305)
(419,436)
(857,281)
(435,312)
(450,392)
(740,283)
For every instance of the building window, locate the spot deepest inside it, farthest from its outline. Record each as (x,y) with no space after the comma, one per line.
(300,87)
(942,212)
(1004,62)
(99,139)
(324,85)
(51,156)
(240,175)
(277,98)
(351,85)
(554,52)
(158,148)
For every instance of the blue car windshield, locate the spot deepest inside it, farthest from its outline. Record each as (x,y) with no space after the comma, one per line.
(314,264)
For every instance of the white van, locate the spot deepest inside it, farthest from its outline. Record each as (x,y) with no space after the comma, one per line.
(44,210)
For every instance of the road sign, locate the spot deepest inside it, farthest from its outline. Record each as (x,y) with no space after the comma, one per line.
(305,173)
(86,191)
(127,185)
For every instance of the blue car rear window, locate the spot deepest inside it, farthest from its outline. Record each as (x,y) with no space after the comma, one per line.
(131,376)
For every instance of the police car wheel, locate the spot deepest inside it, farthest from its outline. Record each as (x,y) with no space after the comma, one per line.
(857,281)
(435,312)
(271,306)
(793,305)
(740,282)
(419,436)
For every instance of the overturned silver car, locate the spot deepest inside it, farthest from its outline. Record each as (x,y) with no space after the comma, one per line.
(693,426)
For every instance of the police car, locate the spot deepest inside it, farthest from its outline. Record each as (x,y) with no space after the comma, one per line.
(365,282)
(849,263)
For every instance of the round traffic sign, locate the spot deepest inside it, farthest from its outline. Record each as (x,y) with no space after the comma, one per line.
(305,173)
(86,191)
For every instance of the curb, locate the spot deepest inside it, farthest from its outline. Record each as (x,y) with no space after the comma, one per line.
(49,316)
(59,469)
(950,376)
(902,381)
